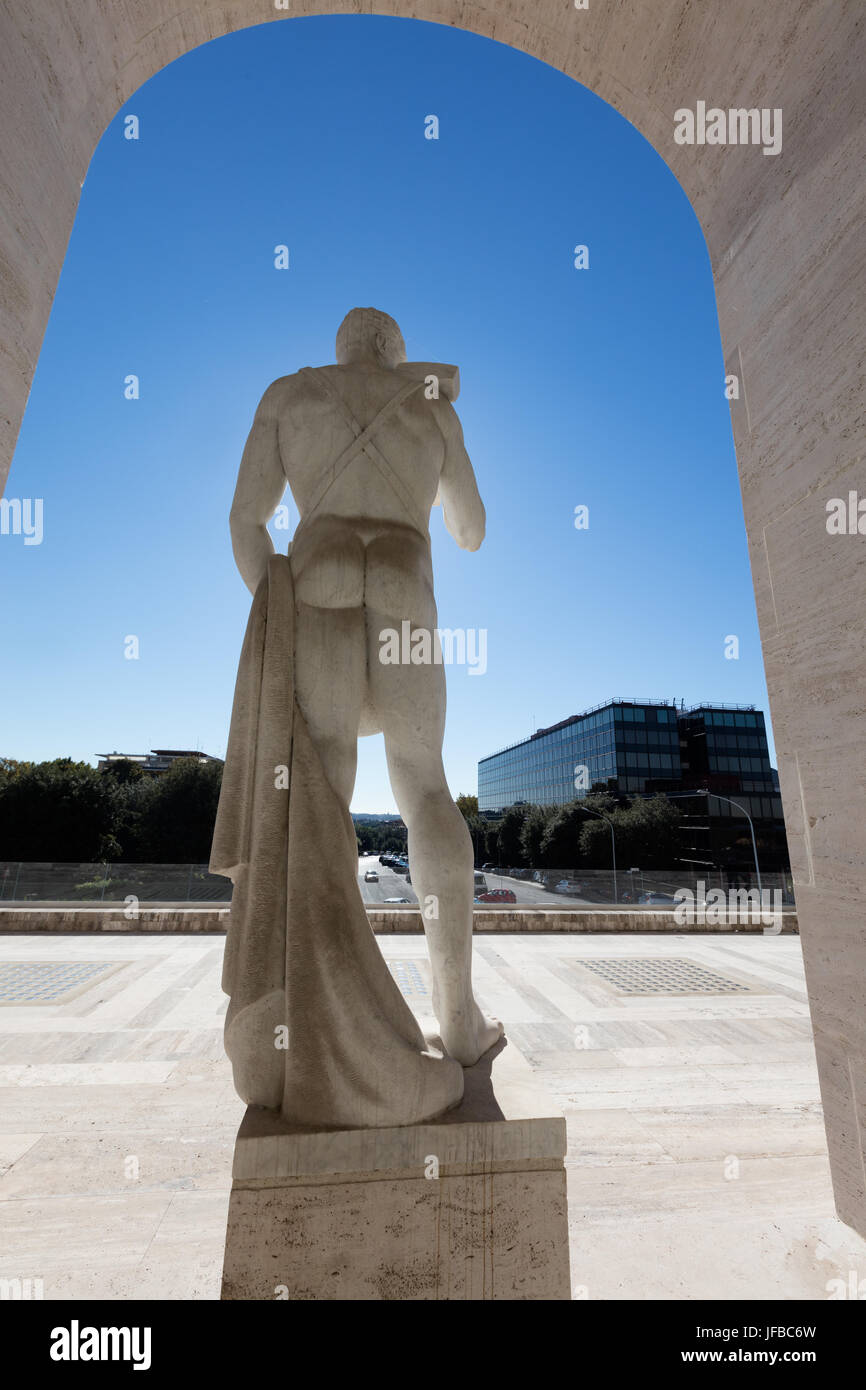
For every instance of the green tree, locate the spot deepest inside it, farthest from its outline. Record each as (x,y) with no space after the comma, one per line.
(647,836)
(560,843)
(468,805)
(61,811)
(11,768)
(509,850)
(365,837)
(380,836)
(532,831)
(651,827)
(130,793)
(595,845)
(123,770)
(177,812)
(602,799)
(478,834)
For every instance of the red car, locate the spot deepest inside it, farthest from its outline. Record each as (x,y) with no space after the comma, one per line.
(497,895)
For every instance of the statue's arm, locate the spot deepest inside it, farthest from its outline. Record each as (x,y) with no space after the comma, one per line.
(462,508)
(259,491)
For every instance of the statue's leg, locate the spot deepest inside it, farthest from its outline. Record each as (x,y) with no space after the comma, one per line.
(410,702)
(330,676)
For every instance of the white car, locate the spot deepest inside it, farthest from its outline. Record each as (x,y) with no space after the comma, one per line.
(396,900)
(371,876)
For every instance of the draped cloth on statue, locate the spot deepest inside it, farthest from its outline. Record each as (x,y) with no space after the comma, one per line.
(316,1026)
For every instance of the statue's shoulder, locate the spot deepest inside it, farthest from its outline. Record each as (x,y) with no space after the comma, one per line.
(287,390)
(289,385)
(298,385)
(443,375)
(447,376)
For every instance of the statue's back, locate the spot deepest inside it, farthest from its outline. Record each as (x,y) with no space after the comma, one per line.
(395,475)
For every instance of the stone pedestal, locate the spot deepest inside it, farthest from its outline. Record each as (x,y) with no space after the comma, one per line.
(469,1206)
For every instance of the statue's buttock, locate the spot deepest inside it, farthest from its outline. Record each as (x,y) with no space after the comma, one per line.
(384,566)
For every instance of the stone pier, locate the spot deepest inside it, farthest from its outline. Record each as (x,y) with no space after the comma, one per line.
(469,1206)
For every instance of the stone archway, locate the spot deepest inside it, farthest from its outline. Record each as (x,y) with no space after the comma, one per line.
(785,241)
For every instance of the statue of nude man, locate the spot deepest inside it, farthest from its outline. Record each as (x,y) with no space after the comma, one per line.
(367,454)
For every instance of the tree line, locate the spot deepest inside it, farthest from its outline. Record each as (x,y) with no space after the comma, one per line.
(575,836)
(64,811)
(69,812)
(380,837)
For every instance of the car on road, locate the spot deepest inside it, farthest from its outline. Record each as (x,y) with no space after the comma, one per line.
(396,900)
(658,900)
(488,868)
(371,876)
(497,895)
(480,882)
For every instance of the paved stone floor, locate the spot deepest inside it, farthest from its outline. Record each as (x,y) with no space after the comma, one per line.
(697,1161)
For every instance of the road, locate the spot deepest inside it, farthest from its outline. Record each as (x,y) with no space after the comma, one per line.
(394,885)
(390,885)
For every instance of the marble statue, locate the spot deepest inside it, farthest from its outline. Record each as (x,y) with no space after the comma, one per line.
(316,1025)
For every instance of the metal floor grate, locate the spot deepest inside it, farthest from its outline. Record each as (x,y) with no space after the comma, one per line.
(48,982)
(668,975)
(409,978)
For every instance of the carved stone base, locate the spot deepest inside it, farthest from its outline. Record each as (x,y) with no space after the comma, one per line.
(469,1206)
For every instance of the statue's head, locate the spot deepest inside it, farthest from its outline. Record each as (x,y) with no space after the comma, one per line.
(368,335)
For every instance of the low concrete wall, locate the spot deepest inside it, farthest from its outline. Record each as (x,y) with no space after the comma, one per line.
(175,919)
(603,919)
(76,920)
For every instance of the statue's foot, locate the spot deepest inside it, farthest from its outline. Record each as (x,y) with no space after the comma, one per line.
(467,1035)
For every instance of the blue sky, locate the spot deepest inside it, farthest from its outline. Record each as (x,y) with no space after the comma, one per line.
(599,387)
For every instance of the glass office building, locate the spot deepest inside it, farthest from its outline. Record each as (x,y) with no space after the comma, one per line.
(637,748)
(642,747)
(632,745)
(725,750)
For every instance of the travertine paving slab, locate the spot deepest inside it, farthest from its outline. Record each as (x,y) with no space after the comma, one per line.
(696,1154)
(118,1164)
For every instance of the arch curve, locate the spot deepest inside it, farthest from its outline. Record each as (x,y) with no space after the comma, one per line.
(785,242)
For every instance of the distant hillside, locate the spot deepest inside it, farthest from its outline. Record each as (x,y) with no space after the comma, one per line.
(365,815)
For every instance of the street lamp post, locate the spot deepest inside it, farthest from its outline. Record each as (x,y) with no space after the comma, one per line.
(704,791)
(591,812)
